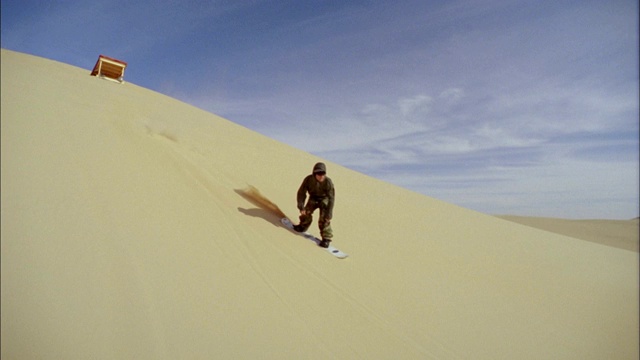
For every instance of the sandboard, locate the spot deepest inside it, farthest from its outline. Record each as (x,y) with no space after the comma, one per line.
(331,249)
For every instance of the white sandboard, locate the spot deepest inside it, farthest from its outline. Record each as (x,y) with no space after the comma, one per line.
(331,249)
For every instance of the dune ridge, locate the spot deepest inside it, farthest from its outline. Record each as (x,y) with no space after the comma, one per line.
(130,230)
(621,234)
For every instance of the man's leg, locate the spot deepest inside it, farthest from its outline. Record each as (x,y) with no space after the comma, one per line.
(325,226)
(307,218)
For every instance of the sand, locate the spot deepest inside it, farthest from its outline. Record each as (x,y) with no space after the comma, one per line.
(127,234)
(622,234)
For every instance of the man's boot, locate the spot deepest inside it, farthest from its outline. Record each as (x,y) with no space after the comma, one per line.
(324,243)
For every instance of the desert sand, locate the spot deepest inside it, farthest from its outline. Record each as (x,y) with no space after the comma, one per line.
(127,233)
(622,234)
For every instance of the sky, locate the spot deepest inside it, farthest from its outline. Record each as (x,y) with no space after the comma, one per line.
(500,106)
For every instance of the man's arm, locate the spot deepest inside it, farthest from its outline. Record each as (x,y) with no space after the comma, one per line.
(302,194)
(331,194)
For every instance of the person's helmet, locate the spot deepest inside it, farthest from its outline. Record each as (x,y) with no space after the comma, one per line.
(319,168)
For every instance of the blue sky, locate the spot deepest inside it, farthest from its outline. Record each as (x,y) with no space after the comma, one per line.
(501,106)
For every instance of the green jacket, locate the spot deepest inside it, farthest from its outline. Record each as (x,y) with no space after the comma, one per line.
(319,192)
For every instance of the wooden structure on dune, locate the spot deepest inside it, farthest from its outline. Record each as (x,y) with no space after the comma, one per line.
(109,68)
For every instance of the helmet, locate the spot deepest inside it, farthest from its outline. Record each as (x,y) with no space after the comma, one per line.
(320,167)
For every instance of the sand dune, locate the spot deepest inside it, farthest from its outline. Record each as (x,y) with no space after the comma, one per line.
(126,234)
(622,234)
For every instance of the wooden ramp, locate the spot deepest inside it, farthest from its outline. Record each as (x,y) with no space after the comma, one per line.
(109,68)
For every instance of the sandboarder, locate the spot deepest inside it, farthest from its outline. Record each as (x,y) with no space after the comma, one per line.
(321,195)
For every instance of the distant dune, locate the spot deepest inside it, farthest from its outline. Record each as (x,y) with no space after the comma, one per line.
(622,234)
(128,232)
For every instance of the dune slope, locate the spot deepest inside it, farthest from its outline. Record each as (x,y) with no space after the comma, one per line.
(622,234)
(126,234)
